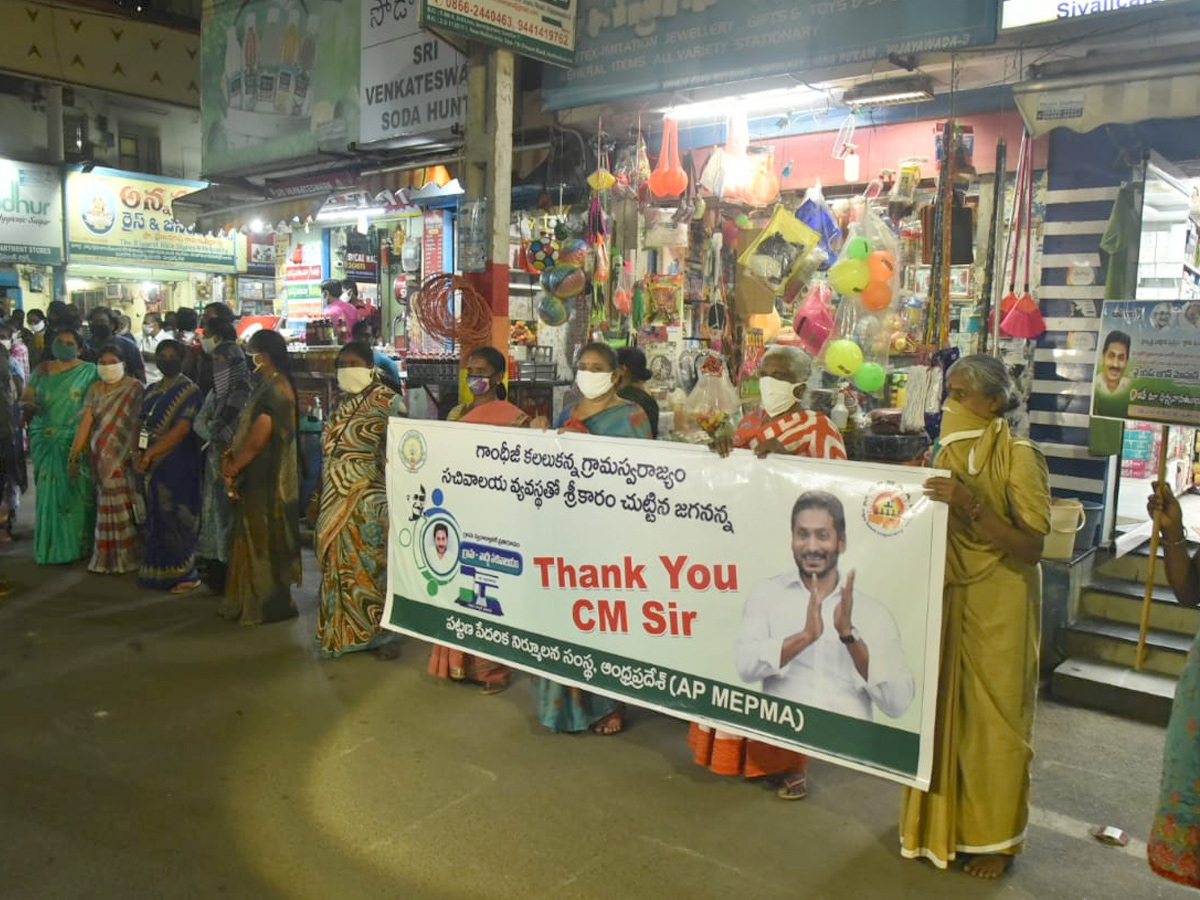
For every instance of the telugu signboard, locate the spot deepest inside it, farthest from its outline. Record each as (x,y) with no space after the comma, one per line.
(412,82)
(1023,13)
(30,214)
(666,576)
(1148,362)
(118,217)
(628,49)
(539,29)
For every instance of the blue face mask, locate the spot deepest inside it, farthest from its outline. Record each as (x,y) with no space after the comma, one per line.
(478,384)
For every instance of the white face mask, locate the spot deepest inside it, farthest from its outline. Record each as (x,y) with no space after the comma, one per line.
(594,384)
(778,396)
(355,379)
(6,344)
(37,327)
(207,344)
(111,373)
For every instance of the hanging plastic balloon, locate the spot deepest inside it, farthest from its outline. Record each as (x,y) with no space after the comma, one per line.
(573,252)
(882,265)
(564,282)
(877,296)
(857,248)
(768,323)
(551,310)
(541,254)
(623,301)
(843,357)
(849,276)
(870,377)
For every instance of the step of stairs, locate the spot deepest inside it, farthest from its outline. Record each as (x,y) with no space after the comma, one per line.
(1115,642)
(1133,565)
(1120,600)
(1144,696)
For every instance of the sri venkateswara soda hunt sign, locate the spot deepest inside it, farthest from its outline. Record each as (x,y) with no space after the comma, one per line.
(665,576)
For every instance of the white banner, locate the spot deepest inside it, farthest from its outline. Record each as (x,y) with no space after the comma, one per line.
(31,227)
(665,576)
(412,82)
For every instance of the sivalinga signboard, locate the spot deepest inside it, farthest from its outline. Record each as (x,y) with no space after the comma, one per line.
(629,48)
(1024,13)
(665,576)
(413,83)
(30,214)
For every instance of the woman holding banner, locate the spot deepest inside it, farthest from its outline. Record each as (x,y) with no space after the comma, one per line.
(779,426)
(999,498)
(601,412)
(1174,849)
(485,380)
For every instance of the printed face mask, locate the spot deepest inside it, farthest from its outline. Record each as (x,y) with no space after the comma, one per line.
(478,384)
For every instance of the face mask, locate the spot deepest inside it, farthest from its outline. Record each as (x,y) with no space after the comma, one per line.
(208,344)
(64,352)
(6,344)
(478,384)
(778,396)
(37,327)
(956,417)
(594,384)
(101,332)
(354,380)
(111,373)
(169,366)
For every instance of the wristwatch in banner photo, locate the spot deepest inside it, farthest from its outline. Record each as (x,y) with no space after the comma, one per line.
(851,638)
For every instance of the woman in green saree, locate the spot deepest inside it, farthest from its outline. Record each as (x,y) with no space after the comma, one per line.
(66,505)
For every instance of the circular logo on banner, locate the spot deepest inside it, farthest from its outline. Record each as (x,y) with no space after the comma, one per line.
(412,451)
(885,509)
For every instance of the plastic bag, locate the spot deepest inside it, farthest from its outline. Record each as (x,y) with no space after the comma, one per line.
(778,254)
(714,400)
(813,322)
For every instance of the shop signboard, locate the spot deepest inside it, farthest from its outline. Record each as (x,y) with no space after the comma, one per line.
(1024,13)
(276,83)
(413,83)
(1148,362)
(539,29)
(665,576)
(627,48)
(124,218)
(30,214)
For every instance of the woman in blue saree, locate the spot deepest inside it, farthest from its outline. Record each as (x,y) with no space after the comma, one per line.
(602,412)
(170,463)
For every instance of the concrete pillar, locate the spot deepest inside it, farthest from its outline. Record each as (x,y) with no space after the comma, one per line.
(490,94)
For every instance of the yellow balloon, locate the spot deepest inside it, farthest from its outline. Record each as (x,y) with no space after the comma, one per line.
(843,357)
(768,323)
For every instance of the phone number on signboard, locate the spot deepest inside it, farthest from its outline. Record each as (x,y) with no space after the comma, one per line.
(475,11)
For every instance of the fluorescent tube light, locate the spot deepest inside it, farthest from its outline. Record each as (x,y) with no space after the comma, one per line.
(890,92)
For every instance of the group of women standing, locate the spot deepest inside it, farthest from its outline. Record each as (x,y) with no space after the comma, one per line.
(132,478)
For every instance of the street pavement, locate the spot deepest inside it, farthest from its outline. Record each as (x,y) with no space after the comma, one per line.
(149,749)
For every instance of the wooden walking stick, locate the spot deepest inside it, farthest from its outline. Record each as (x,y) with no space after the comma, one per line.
(1148,597)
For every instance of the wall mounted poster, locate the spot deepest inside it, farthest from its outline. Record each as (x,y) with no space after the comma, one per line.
(682,603)
(1148,362)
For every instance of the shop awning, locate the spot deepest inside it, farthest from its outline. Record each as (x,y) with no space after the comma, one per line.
(1115,97)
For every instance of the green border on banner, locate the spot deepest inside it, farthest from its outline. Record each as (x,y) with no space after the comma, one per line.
(866,742)
(490,34)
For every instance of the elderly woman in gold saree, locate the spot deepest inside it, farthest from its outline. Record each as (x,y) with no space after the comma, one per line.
(999,499)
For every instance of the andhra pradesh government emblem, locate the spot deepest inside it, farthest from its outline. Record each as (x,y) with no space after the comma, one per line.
(885,509)
(412,451)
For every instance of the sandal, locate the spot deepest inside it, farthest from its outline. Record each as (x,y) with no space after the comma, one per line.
(793,787)
(186,587)
(491,690)
(613,723)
